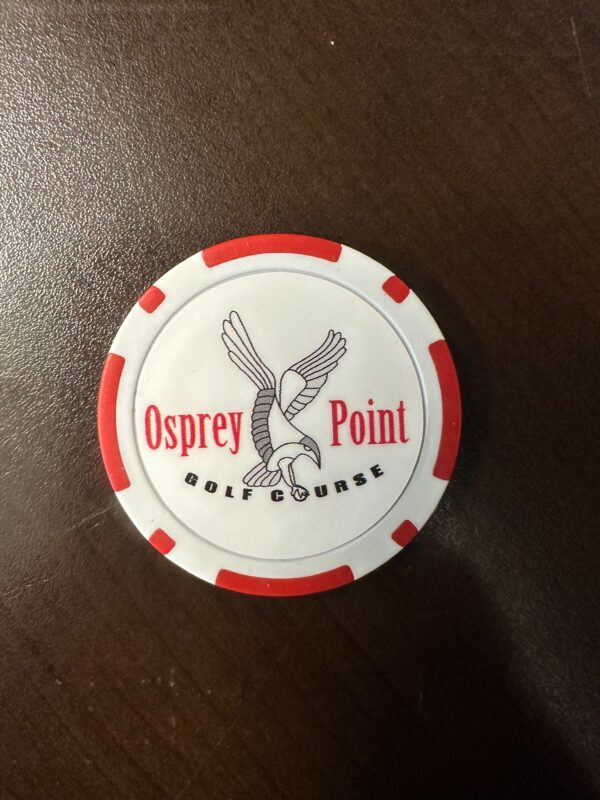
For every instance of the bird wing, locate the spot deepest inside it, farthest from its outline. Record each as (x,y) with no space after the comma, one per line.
(309,375)
(259,475)
(261,435)
(244,356)
(242,353)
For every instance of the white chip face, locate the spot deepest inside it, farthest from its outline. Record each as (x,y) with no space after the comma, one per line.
(279,415)
(195,410)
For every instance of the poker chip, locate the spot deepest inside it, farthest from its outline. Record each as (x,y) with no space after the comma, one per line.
(279,415)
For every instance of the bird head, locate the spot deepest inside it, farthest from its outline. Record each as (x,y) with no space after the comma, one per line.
(311,450)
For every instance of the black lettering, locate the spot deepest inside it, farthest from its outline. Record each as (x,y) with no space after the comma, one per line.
(229,491)
(321,491)
(210,487)
(341,486)
(246,493)
(359,479)
(277,495)
(191,478)
(377,471)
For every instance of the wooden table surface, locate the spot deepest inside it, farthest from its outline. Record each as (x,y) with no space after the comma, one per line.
(457,143)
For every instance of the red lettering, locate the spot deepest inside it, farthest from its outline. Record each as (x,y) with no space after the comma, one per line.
(188,433)
(171,441)
(385,414)
(194,430)
(236,426)
(154,442)
(337,418)
(401,422)
(201,419)
(357,427)
(219,424)
(371,416)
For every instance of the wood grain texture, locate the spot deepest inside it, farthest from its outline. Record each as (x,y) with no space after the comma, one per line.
(457,143)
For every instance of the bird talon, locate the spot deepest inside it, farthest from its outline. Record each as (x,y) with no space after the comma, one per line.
(299,493)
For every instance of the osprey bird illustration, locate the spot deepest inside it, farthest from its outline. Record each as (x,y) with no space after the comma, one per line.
(278,442)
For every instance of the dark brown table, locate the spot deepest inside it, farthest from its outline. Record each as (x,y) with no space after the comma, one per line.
(457,143)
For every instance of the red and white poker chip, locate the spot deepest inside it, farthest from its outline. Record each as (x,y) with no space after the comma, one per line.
(279,415)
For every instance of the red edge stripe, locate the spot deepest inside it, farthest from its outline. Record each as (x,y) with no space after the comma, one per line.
(271,243)
(284,587)
(151,299)
(451,412)
(107,422)
(405,533)
(162,541)
(396,289)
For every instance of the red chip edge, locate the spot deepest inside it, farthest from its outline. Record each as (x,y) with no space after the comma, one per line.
(151,299)
(396,289)
(405,533)
(107,422)
(451,409)
(162,541)
(271,243)
(284,587)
